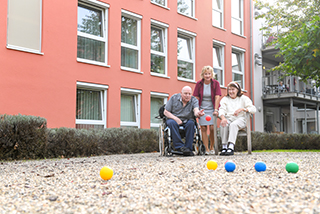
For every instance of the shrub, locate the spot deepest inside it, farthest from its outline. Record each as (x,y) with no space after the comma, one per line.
(22,137)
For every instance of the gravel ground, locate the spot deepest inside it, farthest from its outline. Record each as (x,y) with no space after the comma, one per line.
(147,183)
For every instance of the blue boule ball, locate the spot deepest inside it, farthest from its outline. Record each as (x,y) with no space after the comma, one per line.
(230,166)
(260,166)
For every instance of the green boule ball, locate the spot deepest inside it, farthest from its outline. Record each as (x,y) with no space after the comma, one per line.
(292,167)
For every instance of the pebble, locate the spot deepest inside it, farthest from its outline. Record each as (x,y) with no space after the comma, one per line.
(149,183)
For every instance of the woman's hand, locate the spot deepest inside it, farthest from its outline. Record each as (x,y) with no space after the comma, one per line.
(236,113)
(216,112)
(224,122)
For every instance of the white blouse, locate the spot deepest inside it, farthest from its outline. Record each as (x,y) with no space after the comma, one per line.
(228,106)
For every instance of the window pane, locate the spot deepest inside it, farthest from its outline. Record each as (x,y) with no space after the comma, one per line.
(88,105)
(90,20)
(236,62)
(217,18)
(184,49)
(128,108)
(236,26)
(235,8)
(216,57)
(156,103)
(185,7)
(219,75)
(156,39)
(91,49)
(129,30)
(185,69)
(162,2)
(157,64)
(129,58)
(24,24)
(237,78)
(216,4)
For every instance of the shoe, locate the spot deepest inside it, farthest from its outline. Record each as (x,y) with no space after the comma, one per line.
(212,152)
(229,152)
(207,153)
(223,152)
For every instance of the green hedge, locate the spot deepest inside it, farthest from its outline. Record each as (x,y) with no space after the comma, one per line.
(22,137)
(268,141)
(27,137)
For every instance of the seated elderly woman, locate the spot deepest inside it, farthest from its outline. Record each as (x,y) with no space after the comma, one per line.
(233,108)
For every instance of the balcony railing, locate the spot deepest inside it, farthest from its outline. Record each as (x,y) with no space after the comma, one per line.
(275,84)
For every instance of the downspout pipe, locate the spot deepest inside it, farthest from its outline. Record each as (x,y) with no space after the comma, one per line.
(251,60)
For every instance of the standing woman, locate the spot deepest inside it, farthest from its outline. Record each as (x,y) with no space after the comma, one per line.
(232,111)
(208,92)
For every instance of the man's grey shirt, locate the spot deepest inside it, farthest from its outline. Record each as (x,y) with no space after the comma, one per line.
(184,113)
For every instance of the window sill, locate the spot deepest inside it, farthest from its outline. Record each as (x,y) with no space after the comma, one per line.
(131,70)
(188,16)
(16,48)
(92,62)
(186,80)
(159,5)
(239,35)
(220,28)
(159,75)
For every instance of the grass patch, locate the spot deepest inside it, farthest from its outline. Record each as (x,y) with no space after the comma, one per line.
(288,150)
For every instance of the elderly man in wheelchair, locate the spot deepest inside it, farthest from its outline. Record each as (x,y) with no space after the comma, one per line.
(180,111)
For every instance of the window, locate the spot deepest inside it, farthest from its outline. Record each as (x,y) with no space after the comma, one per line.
(158,48)
(186,55)
(130,41)
(130,107)
(238,66)
(217,13)
(218,61)
(91,106)
(92,33)
(24,25)
(237,17)
(160,2)
(157,100)
(186,7)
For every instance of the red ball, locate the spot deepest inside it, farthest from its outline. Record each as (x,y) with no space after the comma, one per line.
(208,118)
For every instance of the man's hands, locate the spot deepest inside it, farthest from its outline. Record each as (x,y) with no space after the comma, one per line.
(200,113)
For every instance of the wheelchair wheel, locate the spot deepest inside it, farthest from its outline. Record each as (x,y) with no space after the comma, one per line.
(202,149)
(161,141)
(167,153)
(196,148)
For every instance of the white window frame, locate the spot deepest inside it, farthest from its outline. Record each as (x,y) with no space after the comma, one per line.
(138,18)
(164,27)
(104,8)
(137,99)
(18,47)
(163,96)
(221,46)
(241,52)
(164,6)
(192,9)
(239,19)
(221,11)
(192,36)
(103,96)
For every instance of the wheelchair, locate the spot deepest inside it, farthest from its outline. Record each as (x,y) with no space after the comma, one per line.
(166,147)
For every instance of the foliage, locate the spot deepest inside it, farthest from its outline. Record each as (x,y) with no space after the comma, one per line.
(298,39)
(22,137)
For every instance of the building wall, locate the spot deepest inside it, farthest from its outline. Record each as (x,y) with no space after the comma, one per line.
(46,85)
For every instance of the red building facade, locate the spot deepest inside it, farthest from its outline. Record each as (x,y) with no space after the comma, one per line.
(113,63)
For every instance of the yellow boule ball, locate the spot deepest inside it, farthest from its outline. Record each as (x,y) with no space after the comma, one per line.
(212,165)
(106,173)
